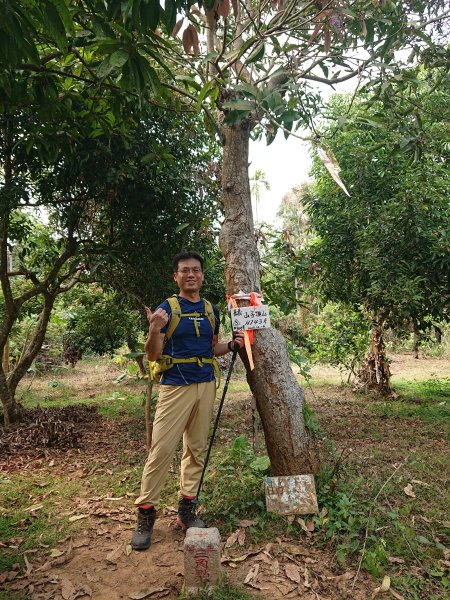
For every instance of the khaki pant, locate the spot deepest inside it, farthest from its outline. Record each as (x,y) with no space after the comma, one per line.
(182,410)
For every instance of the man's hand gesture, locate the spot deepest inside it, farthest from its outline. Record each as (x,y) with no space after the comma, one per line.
(158,319)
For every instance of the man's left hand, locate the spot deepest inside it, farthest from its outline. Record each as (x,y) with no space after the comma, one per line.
(238,338)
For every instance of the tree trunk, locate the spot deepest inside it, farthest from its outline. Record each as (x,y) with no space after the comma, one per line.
(5,358)
(438,334)
(279,398)
(12,410)
(375,375)
(416,341)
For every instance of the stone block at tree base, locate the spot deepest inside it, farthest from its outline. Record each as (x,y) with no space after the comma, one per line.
(201,557)
(291,495)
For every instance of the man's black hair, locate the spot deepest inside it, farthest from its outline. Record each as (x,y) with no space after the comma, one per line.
(186,256)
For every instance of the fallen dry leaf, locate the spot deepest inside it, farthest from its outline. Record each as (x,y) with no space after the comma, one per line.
(303,525)
(114,554)
(306,578)
(92,577)
(84,590)
(84,541)
(235,559)
(232,539)
(77,518)
(420,482)
(241,537)
(247,523)
(294,550)
(147,594)
(252,575)
(396,595)
(292,572)
(28,565)
(55,552)
(275,567)
(409,491)
(344,577)
(68,590)
(34,507)
(384,587)
(395,560)
(262,556)
(45,567)
(128,549)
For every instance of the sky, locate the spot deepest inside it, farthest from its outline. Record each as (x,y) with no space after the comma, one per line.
(286,164)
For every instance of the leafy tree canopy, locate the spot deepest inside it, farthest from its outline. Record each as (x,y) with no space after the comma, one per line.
(386,246)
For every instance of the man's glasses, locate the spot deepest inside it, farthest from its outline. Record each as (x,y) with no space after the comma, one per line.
(186,271)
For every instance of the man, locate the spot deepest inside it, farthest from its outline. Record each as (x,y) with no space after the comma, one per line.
(186,362)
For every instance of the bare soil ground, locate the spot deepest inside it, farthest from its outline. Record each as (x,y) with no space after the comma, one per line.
(96,561)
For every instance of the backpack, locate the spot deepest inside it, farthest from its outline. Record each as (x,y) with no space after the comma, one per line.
(166,362)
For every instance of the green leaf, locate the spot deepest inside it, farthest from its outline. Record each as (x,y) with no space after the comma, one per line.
(105,68)
(189,80)
(150,11)
(169,15)
(423,540)
(262,463)
(249,89)
(55,27)
(182,227)
(240,105)
(118,58)
(257,54)
(65,15)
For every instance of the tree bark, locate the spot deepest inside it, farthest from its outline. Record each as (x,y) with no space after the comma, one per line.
(416,340)
(437,334)
(279,398)
(375,375)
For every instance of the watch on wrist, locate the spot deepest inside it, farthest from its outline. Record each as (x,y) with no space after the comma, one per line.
(231,344)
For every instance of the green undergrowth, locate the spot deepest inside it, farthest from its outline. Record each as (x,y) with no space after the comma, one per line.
(119,403)
(364,520)
(428,400)
(30,519)
(224,590)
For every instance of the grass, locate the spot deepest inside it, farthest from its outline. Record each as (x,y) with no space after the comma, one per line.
(224,590)
(428,400)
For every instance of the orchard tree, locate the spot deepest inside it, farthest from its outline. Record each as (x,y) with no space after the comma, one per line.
(250,69)
(385,247)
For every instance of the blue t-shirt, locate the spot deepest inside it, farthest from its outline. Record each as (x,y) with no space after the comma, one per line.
(185,343)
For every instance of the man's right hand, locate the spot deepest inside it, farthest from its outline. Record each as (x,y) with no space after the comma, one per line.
(158,319)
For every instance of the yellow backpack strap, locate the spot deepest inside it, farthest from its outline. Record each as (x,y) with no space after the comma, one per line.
(175,317)
(210,314)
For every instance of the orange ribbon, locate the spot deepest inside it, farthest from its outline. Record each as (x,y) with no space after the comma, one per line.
(248,334)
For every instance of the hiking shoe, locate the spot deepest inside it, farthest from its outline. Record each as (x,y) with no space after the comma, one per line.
(187,514)
(142,537)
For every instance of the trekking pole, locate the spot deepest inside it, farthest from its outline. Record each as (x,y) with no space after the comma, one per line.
(216,422)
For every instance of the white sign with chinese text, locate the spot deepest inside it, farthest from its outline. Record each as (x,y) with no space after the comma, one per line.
(250,317)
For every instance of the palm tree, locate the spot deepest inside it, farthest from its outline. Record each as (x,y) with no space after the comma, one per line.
(258,180)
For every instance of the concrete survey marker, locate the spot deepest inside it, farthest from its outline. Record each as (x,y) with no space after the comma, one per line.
(201,557)
(292,495)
